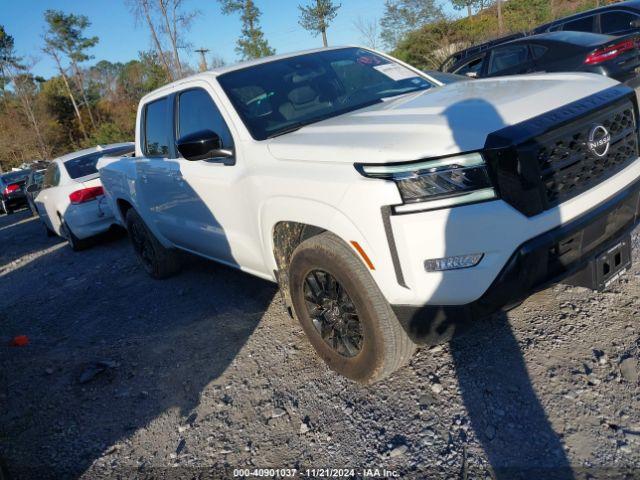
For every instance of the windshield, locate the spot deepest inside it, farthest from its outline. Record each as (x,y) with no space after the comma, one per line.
(277,97)
(15,176)
(86,165)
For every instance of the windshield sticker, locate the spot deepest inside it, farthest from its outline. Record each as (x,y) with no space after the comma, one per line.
(395,72)
(369,60)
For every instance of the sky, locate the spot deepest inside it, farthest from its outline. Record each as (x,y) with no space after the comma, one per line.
(121,39)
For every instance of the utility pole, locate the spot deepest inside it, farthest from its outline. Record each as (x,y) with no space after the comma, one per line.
(500,19)
(203,60)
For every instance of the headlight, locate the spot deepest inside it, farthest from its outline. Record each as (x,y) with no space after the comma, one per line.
(443,182)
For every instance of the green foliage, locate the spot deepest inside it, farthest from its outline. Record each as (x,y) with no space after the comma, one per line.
(469,5)
(65,34)
(428,46)
(115,88)
(109,132)
(317,16)
(403,16)
(251,43)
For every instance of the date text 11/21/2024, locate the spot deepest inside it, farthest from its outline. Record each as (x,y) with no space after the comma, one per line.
(316,473)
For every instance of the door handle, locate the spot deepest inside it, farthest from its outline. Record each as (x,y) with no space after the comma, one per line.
(144,178)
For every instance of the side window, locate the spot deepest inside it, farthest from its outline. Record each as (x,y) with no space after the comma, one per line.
(50,176)
(507,58)
(56,176)
(584,24)
(197,111)
(538,51)
(617,22)
(156,134)
(471,69)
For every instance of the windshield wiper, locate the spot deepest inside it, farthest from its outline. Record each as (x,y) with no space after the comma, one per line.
(289,129)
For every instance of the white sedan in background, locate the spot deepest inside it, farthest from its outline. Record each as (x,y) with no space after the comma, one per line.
(71,203)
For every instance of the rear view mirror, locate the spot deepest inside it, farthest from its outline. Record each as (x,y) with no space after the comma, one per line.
(33,188)
(204,145)
(472,74)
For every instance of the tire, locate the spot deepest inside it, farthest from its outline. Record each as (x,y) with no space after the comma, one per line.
(74,242)
(382,346)
(50,233)
(158,261)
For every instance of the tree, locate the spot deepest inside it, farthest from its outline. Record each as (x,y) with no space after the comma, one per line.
(317,17)
(176,21)
(13,71)
(216,61)
(9,61)
(56,57)
(402,16)
(369,34)
(142,9)
(470,5)
(251,43)
(65,36)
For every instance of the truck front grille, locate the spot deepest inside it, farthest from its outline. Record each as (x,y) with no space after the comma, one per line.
(545,161)
(568,167)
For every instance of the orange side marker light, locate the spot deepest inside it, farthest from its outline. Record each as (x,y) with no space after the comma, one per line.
(363,254)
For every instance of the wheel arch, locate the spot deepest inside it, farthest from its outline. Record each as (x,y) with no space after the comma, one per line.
(287,222)
(123,207)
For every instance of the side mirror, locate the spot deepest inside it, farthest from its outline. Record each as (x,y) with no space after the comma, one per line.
(33,188)
(204,145)
(472,74)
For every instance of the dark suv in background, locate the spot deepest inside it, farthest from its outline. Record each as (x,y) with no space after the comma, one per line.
(616,19)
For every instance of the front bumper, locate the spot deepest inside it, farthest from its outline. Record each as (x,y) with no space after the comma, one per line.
(565,253)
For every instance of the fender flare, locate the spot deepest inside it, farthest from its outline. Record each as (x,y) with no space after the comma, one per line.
(310,212)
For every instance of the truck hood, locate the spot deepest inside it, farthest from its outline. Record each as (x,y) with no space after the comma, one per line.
(440,121)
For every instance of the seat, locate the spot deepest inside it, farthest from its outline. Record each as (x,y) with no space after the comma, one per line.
(302,102)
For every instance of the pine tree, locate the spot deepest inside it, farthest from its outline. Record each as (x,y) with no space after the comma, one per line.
(317,17)
(470,5)
(251,43)
(65,36)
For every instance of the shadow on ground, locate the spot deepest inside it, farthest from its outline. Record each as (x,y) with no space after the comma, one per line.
(111,349)
(503,407)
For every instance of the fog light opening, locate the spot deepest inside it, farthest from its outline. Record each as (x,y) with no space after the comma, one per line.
(454,262)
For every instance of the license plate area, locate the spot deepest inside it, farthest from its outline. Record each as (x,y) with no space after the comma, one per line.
(613,263)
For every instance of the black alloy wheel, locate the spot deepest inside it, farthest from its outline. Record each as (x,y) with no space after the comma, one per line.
(333,313)
(142,244)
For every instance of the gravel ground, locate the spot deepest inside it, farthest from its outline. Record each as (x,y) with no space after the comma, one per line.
(203,373)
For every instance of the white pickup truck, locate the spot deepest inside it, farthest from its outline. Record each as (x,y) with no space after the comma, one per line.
(388,207)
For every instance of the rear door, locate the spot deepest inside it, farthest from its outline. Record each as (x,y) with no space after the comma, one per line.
(156,172)
(512,59)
